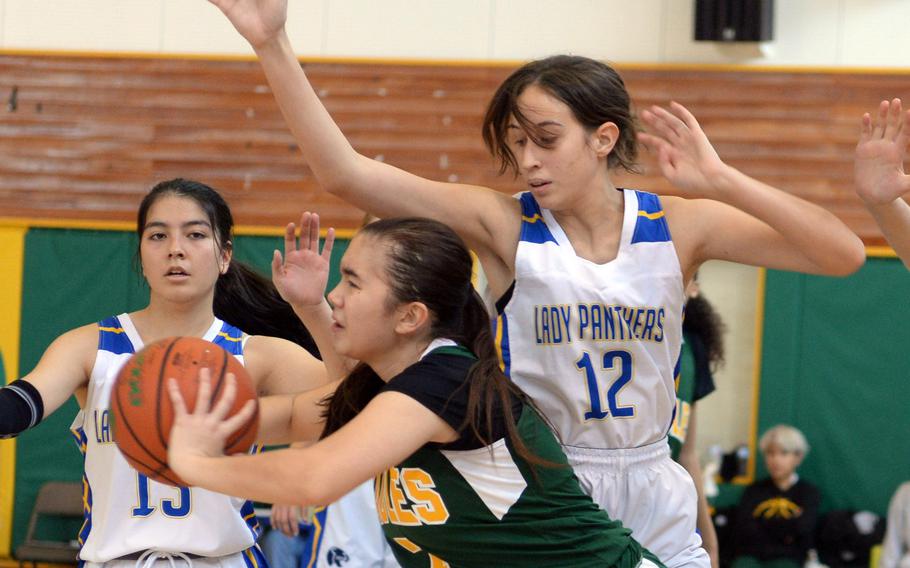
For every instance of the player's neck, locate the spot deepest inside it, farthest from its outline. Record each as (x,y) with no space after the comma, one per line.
(395,360)
(167,319)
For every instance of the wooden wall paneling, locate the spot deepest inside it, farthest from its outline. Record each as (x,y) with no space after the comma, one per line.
(85,137)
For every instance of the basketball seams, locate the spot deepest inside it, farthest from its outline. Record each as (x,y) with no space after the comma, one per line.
(162,392)
(139,436)
(132,434)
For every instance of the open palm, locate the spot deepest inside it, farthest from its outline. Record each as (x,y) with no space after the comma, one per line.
(879,161)
(684,153)
(302,275)
(258,21)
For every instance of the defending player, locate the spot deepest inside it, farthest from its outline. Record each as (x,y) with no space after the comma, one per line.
(185,248)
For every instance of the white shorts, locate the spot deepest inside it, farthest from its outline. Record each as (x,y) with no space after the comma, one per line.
(249,558)
(650,493)
(348,533)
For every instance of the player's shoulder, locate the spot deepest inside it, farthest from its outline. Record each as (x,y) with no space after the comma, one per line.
(84,336)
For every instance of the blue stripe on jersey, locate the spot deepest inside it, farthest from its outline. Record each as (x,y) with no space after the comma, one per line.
(651,224)
(501,335)
(533,228)
(112,338)
(82,441)
(86,511)
(254,558)
(677,369)
(230,338)
(249,516)
(310,555)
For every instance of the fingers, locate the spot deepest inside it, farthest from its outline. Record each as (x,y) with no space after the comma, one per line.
(246,412)
(687,117)
(173,390)
(893,123)
(903,137)
(651,142)
(329,243)
(665,124)
(277,263)
(285,519)
(879,128)
(865,128)
(204,392)
(290,239)
(224,404)
(313,235)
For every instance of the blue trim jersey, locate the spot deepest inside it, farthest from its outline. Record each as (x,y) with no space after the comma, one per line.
(126,512)
(596,345)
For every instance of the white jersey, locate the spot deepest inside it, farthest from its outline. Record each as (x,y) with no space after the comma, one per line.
(596,346)
(348,533)
(125,511)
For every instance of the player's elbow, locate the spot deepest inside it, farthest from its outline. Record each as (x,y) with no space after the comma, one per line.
(851,259)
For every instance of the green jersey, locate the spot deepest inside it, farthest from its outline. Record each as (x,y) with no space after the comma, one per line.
(469,504)
(693,382)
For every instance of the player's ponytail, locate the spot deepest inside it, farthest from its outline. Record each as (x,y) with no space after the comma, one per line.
(427,262)
(242,296)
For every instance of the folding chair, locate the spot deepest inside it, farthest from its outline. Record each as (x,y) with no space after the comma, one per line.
(60,499)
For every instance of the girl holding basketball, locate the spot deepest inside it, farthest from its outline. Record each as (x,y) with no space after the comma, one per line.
(467,472)
(590,277)
(879,171)
(196,289)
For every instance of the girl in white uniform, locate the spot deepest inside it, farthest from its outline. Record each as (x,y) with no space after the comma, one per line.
(592,328)
(184,230)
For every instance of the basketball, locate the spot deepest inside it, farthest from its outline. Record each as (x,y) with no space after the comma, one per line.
(141,409)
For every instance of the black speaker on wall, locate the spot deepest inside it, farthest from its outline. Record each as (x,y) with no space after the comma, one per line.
(734,20)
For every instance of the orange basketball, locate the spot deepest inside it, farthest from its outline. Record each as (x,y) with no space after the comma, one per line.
(141,409)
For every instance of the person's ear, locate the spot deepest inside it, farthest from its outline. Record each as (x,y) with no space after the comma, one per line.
(411,318)
(604,139)
(227,253)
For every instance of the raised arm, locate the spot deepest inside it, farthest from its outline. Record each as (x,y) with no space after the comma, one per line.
(383,190)
(879,173)
(738,218)
(301,278)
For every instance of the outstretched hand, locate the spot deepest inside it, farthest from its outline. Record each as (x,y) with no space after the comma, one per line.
(301,277)
(258,21)
(684,154)
(203,432)
(879,162)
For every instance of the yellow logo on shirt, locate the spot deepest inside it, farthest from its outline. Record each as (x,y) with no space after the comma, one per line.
(406,496)
(777,507)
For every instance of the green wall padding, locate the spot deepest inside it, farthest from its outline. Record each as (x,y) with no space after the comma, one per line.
(72,278)
(835,360)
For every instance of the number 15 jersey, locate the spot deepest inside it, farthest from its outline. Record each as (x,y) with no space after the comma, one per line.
(596,346)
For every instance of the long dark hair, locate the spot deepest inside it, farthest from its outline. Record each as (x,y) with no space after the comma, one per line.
(242,296)
(593,90)
(704,321)
(427,262)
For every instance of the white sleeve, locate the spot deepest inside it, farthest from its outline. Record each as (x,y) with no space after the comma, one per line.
(897,534)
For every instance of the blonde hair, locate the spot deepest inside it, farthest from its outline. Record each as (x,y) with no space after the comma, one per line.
(785,437)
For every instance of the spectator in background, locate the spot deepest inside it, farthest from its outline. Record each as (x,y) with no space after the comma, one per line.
(896,547)
(776,517)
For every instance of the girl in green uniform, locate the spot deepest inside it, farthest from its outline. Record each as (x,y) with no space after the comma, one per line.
(466,471)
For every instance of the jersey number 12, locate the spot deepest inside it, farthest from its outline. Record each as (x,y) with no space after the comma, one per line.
(609,362)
